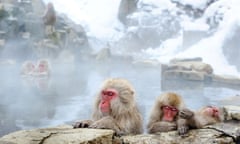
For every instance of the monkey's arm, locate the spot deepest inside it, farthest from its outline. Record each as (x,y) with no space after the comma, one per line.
(182,126)
(198,121)
(186,113)
(194,119)
(107,122)
(162,126)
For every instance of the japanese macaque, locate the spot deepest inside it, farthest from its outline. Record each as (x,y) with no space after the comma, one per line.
(27,68)
(43,68)
(49,17)
(115,108)
(206,116)
(165,114)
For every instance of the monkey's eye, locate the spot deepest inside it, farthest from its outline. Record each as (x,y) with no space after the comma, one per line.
(108,93)
(174,109)
(170,108)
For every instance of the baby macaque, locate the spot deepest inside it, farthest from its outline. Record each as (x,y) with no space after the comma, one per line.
(165,114)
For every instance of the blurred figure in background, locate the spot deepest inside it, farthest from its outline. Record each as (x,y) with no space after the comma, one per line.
(49,18)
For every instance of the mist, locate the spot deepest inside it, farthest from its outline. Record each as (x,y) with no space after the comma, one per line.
(69,94)
(77,70)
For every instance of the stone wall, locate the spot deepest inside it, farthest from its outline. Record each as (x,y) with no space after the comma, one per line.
(222,133)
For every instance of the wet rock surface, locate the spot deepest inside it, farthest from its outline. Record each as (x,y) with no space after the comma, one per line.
(194,70)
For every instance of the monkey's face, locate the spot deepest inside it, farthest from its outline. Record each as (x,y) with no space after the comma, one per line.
(30,67)
(169,113)
(211,111)
(42,67)
(107,96)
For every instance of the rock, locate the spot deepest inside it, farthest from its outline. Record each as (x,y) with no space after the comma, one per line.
(230,128)
(22,20)
(207,136)
(221,133)
(187,69)
(150,30)
(196,70)
(64,134)
(126,7)
(226,79)
(38,7)
(233,112)
(192,66)
(176,60)
(186,75)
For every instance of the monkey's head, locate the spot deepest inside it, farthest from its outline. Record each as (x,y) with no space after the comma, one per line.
(43,65)
(27,67)
(214,112)
(171,99)
(116,96)
(170,104)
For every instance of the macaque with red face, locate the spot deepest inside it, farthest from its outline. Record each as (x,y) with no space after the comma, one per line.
(165,115)
(43,67)
(115,108)
(206,116)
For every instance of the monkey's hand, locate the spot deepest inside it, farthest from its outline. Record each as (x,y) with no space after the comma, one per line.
(186,113)
(182,126)
(82,124)
(106,123)
(162,127)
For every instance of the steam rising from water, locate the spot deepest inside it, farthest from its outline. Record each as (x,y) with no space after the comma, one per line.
(69,93)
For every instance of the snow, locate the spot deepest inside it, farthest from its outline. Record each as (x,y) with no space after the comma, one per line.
(99,18)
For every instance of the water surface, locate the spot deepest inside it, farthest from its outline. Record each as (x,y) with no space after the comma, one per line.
(68,94)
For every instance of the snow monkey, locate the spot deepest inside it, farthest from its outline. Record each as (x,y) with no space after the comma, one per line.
(43,68)
(206,116)
(165,114)
(28,68)
(115,108)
